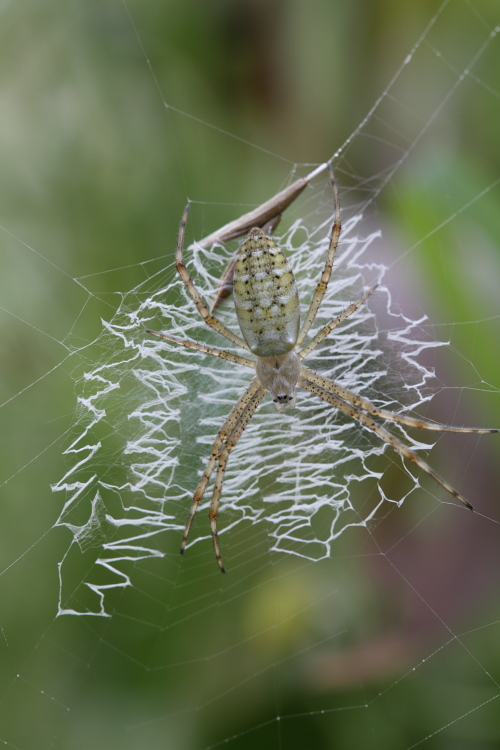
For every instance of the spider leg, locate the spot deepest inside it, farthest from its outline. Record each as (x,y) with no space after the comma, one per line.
(199,347)
(225,288)
(209,319)
(224,432)
(325,276)
(367,421)
(367,406)
(323,333)
(223,459)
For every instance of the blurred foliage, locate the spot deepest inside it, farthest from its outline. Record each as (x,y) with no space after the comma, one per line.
(97,164)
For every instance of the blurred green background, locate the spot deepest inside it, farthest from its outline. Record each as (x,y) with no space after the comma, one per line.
(97,162)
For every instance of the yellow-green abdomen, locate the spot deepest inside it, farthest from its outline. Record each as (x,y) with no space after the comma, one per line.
(265,296)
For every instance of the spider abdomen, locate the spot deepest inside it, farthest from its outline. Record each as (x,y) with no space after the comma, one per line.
(265,296)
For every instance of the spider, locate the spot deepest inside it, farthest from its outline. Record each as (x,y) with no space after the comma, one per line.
(267,307)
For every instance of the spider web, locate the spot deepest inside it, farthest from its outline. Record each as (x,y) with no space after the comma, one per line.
(318,474)
(342,616)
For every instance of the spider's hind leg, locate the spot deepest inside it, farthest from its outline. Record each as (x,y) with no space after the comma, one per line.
(322,285)
(207,316)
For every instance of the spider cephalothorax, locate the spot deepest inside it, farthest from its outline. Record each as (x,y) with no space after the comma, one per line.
(268,311)
(280,375)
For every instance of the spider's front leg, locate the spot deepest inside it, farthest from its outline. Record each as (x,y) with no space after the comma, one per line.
(352,398)
(367,421)
(236,415)
(223,459)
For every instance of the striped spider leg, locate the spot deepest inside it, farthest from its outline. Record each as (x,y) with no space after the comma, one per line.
(267,307)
